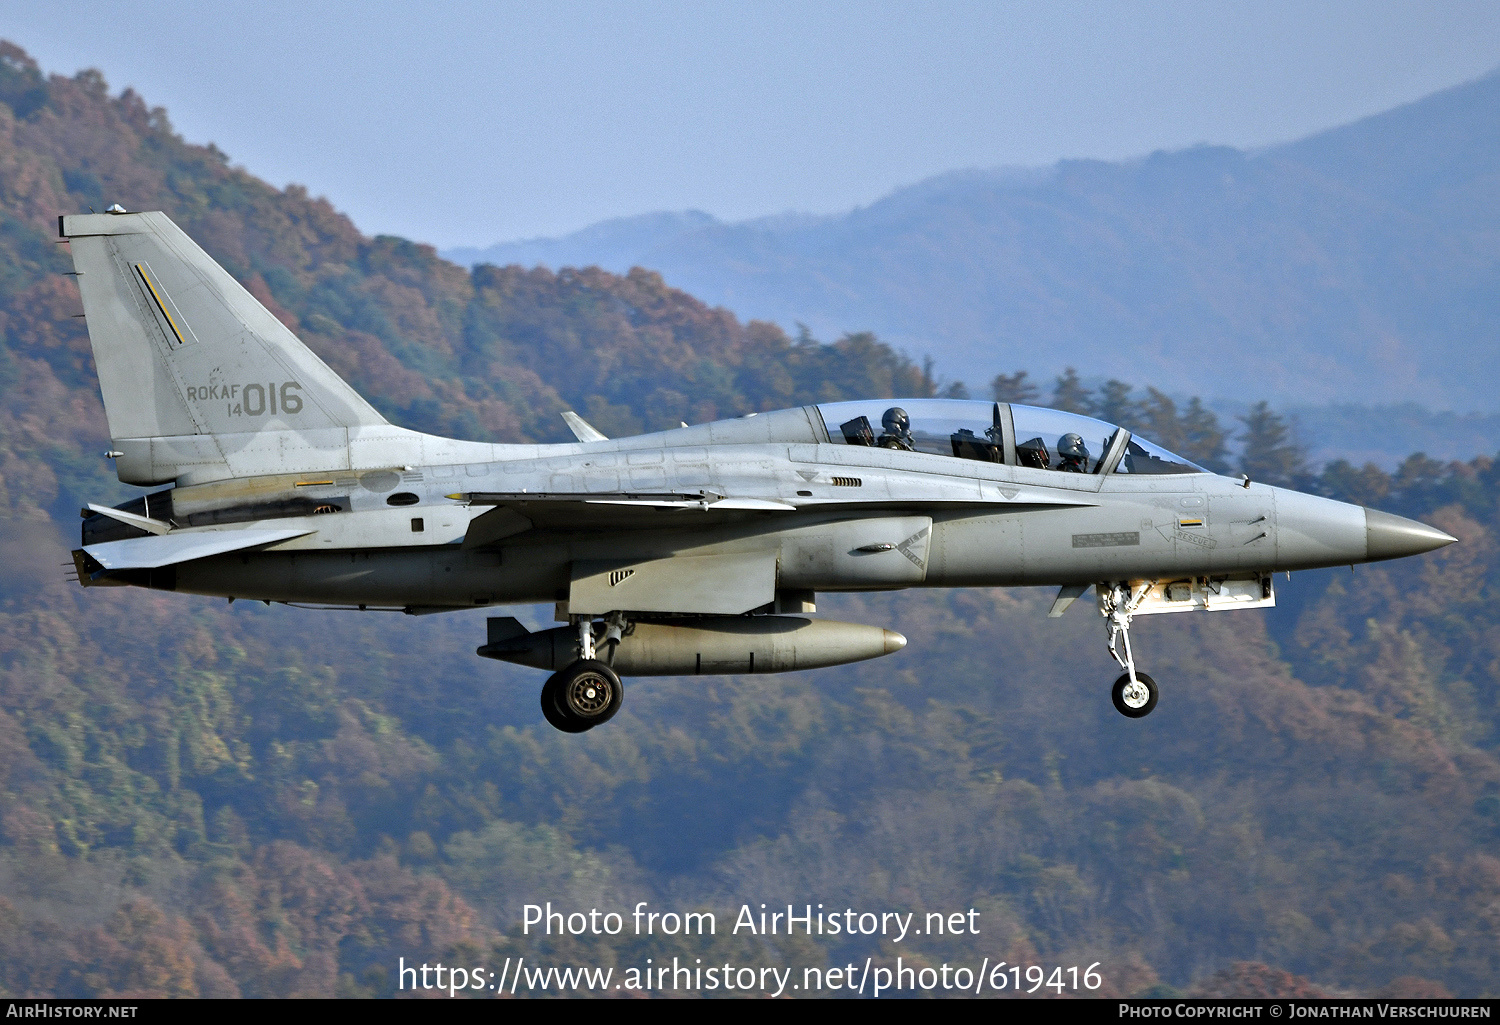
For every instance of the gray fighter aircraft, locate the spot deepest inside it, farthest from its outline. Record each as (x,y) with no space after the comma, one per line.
(692,551)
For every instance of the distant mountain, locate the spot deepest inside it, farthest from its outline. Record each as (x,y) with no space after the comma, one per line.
(1384,435)
(617,242)
(1360,264)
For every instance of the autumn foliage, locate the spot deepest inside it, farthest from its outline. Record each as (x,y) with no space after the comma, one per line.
(201,800)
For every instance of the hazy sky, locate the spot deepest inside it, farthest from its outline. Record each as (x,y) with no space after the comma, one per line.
(470,123)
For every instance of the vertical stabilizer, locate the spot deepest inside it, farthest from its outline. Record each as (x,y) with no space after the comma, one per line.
(199,379)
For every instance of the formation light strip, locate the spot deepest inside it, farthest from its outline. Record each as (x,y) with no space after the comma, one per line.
(146,278)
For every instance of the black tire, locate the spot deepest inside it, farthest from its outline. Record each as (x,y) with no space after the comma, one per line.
(553,712)
(586,694)
(1117,695)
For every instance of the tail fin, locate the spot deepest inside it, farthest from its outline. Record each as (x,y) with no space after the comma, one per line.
(199,379)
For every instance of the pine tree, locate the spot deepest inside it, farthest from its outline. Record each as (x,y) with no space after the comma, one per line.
(1368,485)
(1419,481)
(1116,406)
(1070,394)
(1203,440)
(1159,421)
(1270,454)
(1014,388)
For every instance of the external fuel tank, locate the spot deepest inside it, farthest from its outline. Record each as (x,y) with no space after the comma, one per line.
(703,644)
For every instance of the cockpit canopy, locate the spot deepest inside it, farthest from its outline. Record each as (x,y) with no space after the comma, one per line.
(998,432)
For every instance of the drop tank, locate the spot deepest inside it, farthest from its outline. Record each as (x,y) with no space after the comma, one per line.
(701,645)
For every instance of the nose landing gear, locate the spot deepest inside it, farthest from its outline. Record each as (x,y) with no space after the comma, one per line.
(1134,693)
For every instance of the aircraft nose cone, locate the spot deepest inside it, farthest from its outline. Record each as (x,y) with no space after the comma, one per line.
(1395,537)
(894,641)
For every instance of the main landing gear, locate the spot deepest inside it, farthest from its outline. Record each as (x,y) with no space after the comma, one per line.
(588,692)
(1134,693)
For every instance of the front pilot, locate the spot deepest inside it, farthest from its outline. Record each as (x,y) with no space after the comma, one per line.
(1073,454)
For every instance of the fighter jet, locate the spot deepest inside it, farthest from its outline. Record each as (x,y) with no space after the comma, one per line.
(698,550)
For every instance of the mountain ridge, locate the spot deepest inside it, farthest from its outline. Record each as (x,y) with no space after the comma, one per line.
(1357,264)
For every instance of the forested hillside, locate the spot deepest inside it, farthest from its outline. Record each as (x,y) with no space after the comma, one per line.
(201,799)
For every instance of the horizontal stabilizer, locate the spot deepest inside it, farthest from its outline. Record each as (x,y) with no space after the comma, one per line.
(170,549)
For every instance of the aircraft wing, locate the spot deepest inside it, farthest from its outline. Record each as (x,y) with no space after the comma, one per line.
(517,512)
(646,500)
(708,501)
(169,549)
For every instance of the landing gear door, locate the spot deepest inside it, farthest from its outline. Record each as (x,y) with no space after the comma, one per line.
(1208,594)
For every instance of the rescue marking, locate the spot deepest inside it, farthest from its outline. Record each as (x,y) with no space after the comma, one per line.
(905,548)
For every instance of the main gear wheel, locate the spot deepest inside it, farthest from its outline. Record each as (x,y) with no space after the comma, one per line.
(582,696)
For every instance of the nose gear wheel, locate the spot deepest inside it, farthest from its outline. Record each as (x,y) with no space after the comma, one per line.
(1134,698)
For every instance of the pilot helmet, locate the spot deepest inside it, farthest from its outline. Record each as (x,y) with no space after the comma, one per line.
(895,421)
(1071,446)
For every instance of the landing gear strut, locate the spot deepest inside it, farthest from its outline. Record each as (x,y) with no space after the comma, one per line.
(1134,693)
(588,692)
